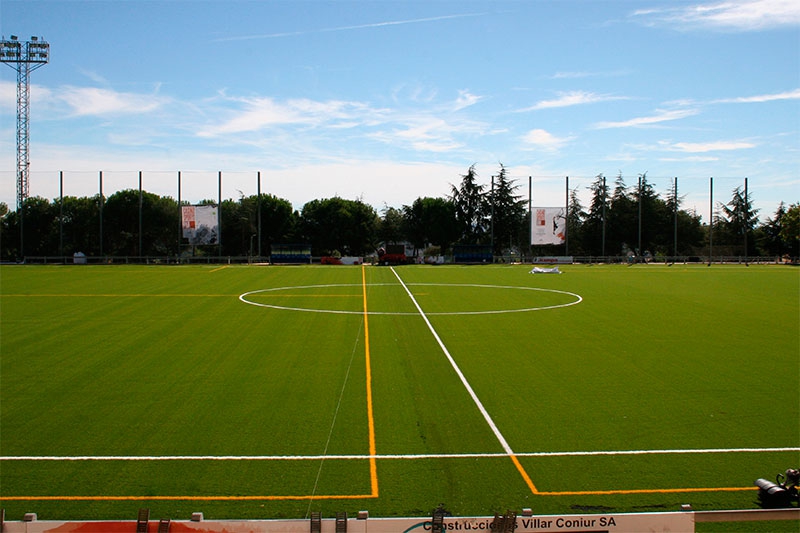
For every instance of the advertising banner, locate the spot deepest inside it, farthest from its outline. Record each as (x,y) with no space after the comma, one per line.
(592,523)
(548,225)
(200,224)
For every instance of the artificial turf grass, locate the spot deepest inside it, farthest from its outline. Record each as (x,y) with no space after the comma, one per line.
(492,347)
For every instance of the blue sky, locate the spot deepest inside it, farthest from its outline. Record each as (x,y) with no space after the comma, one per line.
(388,101)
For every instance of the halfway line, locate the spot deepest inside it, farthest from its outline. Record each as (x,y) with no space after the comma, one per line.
(471,392)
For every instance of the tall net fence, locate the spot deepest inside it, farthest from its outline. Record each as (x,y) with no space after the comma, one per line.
(694,192)
(704,198)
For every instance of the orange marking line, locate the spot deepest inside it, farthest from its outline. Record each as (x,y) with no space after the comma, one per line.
(644,491)
(189,498)
(118,295)
(272,295)
(358,496)
(373,464)
(524,474)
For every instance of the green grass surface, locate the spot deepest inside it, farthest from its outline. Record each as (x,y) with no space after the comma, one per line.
(167,361)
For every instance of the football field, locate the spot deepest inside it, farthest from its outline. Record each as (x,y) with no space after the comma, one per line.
(267,392)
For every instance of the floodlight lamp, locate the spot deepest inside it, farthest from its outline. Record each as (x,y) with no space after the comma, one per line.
(34,38)
(14,37)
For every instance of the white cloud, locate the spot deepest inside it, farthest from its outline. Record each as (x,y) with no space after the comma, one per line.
(8,95)
(712,146)
(660,116)
(426,133)
(72,101)
(741,15)
(259,113)
(466,99)
(347,28)
(788,95)
(572,98)
(92,101)
(690,159)
(542,139)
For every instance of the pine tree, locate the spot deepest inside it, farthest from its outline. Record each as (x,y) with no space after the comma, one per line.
(507,212)
(471,208)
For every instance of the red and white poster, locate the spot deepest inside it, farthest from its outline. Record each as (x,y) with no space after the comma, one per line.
(548,225)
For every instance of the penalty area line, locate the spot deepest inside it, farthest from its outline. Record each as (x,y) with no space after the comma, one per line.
(192,498)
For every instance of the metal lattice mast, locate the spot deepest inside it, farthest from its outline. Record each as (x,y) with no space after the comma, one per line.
(24,57)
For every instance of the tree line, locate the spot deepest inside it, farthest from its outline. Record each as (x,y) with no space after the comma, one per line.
(620,219)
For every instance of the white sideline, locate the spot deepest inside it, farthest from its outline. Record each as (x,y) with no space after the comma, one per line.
(461,376)
(383,456)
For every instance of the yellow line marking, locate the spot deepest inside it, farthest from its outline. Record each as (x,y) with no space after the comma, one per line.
(188,498)
(644,491)
(121,295)
(373,464)
(314,295)
(218,268)
(524,474)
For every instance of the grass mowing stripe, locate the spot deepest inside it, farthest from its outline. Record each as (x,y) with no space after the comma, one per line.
(471,392)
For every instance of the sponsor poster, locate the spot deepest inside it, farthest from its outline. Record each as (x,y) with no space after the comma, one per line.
(548,225)
(200,224)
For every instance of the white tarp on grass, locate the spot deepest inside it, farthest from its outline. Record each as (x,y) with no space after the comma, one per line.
(542,270)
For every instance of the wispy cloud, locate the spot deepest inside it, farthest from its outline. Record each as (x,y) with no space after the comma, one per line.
(747,15)
(788,95)
(658,117)
(94,76)
(711,146)
(466,99)
(346,28)
(430,128)
(92,101)
(425,132)
(574,75)
(690,159)
(572,98)
(253,114)
(73,101)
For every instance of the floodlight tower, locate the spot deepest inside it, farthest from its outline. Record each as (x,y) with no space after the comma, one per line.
(24,57)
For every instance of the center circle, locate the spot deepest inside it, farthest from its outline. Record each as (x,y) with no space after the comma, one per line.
(249,297)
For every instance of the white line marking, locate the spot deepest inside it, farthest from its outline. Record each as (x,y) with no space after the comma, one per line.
(385,456)
(578,299)
(460,374)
